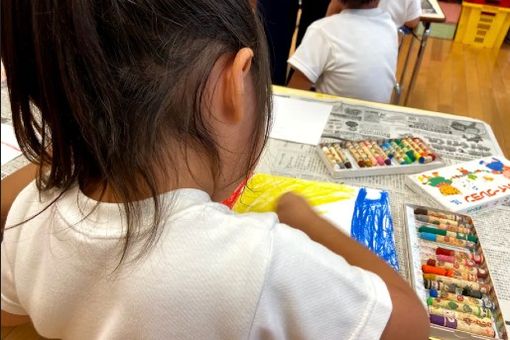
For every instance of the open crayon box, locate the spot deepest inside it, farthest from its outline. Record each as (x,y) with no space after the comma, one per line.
(378,157)
(450,274)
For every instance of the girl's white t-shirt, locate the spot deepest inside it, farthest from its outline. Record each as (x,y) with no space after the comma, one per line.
(351,54)
(212,274)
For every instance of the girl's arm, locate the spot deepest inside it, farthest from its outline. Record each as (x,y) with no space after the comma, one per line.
(408,315)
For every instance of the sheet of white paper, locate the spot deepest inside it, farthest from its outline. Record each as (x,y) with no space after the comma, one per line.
(10,147)
(298,120)
(340,213)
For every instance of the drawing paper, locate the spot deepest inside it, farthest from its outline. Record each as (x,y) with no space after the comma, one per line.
(362,213)
(298,120)
(10,147)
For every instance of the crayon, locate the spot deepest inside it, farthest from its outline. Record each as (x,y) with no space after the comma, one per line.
(414,145)
(425,148)
(462,325)
(337,157)
(457,262)
(428,269)
(442,254)
(388,149)
(435,220)
(451,217)
(436,270)
(485,321)
(458,274)
(370,159)
(475,310)
(440,259)
(446,240)
(393,153)
(456,266)
(423,155)
(355,154)
(410,151)
(476,258)
(449,227)
(452,288)
(369,149)
(401,153)
(443,232)
(331,158)
(484,302)
(443,222)
(381,156)
(345,160)
(481,287)
(381,152)
(481,321)
(378,153)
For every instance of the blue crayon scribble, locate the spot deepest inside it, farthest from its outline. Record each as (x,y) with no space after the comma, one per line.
(372,226)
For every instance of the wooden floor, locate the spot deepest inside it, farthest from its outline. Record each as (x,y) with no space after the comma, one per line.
(458,79)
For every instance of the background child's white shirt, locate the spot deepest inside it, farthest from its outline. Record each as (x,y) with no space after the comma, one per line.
(351,54)
(212,275)
(401,11)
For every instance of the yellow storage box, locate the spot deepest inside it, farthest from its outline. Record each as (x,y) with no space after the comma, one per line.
(482,25)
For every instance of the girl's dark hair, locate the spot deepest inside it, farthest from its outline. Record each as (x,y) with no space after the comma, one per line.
(96,86)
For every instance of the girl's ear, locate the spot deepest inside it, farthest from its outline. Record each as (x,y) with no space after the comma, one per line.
(236,85)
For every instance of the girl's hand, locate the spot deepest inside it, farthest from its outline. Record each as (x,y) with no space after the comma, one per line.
(295,211)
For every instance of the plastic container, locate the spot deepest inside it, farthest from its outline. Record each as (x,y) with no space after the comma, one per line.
(482,25)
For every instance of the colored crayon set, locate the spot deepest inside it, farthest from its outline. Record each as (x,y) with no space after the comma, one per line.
(376,157)
(450,274)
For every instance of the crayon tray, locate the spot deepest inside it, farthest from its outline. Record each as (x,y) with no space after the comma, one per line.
(451,276)
(377,157)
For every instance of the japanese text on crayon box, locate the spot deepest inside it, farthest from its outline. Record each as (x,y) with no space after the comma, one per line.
(477,196)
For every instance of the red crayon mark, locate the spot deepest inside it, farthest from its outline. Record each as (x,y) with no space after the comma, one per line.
(486,193)
(230,201)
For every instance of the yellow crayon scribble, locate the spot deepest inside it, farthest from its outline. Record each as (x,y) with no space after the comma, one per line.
(263,191)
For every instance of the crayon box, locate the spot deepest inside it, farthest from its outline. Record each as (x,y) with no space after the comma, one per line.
(450,273)
(405,155)
(466,187)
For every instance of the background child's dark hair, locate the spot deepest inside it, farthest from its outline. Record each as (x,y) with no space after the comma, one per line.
(96,86)
(357,4)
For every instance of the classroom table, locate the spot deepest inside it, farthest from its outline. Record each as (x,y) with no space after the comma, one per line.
(431,13)
(460,139)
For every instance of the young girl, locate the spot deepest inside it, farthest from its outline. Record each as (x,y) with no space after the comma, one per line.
(140,116)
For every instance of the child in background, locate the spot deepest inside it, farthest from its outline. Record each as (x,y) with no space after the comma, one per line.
(140,117)
(351,54)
